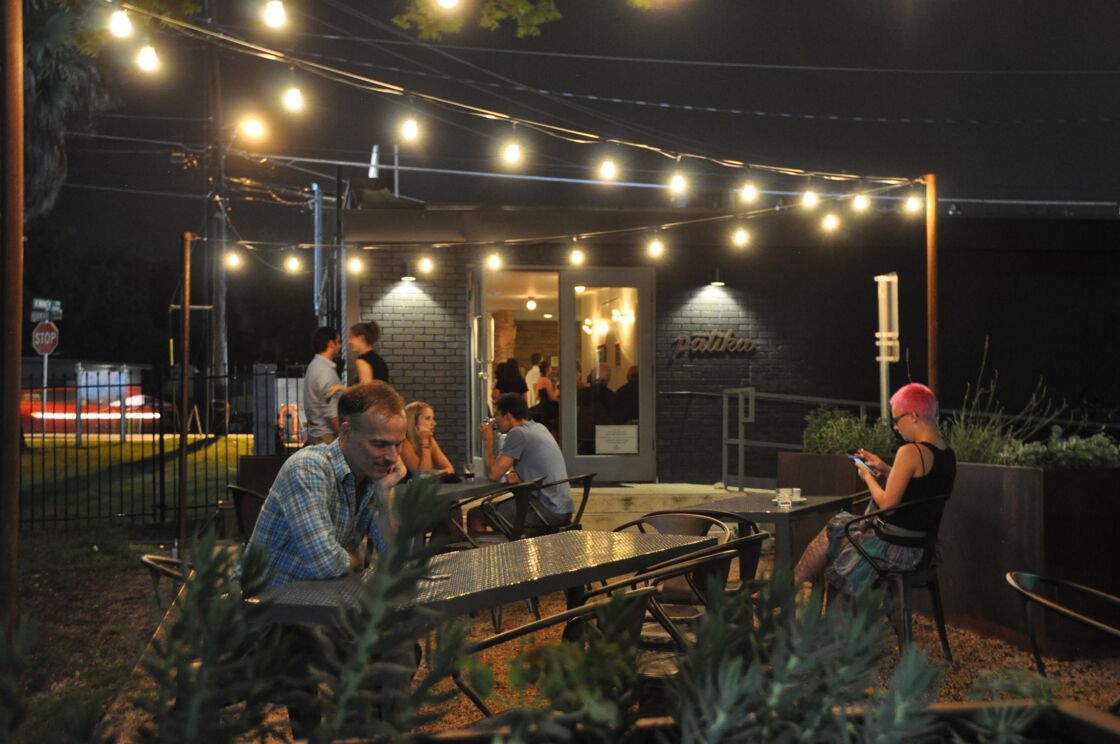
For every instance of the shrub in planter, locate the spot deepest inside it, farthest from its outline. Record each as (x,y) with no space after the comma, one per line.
(831,431)
(1061,453)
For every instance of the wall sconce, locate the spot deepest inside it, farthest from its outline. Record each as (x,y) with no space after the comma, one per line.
(716,281)
(409,273)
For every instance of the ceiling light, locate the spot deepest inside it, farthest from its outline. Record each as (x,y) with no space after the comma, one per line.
(531,304)
(580,289)
(547,316)
(120,25)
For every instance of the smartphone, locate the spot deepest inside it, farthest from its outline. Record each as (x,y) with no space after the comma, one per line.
(862,464)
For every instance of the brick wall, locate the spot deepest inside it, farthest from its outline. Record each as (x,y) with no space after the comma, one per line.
(537,336)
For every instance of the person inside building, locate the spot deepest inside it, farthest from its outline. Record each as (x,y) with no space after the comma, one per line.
(528,452)
(531,376)
(321,387)
(369,364)
(420,451)
(924,468)
(626,399)
(547,410)
(508,379)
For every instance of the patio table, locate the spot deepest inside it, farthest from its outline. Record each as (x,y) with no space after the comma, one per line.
(793,529)
(494,575)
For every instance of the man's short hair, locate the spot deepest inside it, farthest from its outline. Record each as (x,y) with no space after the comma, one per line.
(378,396)
(514,404)
(536,358)
(321,338)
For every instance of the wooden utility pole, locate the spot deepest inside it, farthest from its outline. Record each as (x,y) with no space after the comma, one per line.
(932,360)
(12,304)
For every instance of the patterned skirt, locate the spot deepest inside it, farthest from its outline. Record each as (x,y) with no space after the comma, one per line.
(849,571)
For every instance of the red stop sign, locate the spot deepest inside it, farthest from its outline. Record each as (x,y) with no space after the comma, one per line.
(45,337)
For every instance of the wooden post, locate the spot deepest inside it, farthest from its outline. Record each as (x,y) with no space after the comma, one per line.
(185,389)
(932,358)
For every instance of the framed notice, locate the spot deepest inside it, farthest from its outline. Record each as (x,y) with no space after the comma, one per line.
(616,440)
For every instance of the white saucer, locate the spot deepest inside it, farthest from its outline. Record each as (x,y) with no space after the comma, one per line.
(801,500)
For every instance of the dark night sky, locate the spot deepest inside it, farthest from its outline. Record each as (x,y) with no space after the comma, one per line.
(992,113)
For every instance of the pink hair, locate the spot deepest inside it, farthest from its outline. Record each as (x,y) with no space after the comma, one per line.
(916,398)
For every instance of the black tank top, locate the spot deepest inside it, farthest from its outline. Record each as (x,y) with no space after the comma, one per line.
(938,481)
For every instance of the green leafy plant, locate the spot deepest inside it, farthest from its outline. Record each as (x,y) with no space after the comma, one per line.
(1059,452)
(832,431)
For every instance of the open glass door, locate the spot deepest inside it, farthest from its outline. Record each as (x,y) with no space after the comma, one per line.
(607,418)
(480,363)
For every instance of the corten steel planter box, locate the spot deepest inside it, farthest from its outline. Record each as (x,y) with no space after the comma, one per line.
(818,475)
(1061,523)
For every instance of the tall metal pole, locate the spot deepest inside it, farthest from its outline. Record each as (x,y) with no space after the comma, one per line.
(932,358)
(185,387)
(217,234)
(13,310)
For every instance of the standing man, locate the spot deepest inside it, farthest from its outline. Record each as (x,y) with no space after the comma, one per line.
(532,376)
(321,387)
(529,452)
(326,500)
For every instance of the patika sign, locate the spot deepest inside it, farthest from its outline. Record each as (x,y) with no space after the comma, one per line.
(711,342)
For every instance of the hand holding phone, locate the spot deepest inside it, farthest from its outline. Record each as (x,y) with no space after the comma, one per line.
(861,464)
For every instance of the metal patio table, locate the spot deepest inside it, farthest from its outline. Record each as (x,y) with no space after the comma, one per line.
(793,529)
(494,575)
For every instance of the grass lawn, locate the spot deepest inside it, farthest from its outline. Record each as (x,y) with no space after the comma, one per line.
(104,479)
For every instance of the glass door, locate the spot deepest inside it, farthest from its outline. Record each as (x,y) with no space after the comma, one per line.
(480,362)
(607,417)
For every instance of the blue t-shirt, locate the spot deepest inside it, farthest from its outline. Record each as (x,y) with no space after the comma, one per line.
(536,454)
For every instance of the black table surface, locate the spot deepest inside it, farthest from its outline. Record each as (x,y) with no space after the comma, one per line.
(763,507)
(494,575)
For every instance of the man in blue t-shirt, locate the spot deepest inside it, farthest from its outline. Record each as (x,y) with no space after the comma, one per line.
(529,452)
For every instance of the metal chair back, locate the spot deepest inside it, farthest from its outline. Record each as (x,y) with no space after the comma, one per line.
(247,506)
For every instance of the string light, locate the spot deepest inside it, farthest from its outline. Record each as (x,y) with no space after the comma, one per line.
(531,304)
(608,171)
(293,99)
(749,193)
(425,265)
(678,184)
(861,202)
(830,222)
(251,127)
(810,199)
(576,257)
(410,129)
(120,25)
(655,248)
(354,265)
(494,261)
(913,204)
(147,59)
(274,14)
(293,264)
(511,153)
(233,260)
(741,237)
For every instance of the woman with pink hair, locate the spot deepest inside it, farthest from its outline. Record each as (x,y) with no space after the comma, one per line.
(923,468)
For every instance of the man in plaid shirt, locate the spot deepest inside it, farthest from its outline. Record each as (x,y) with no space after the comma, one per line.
(328,498)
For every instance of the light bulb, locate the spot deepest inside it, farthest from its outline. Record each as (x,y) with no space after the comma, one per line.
(531,304)
(410,129)
(861,202)
(576,257)
(601,327)
(120,25)
(274,14)
(740,237)
(292,263)
(293,99)
(147,59)
(749,192)
(511,153)
(678,184)
(233,260)
(494,261)
(913,204)
(656,248)
(251,127)
(608,171)
(425,265)
(355,265)
(830,222)
(580,289)
(447,4)
(810,199)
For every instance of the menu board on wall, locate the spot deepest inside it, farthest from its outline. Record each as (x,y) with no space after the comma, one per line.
(616,439)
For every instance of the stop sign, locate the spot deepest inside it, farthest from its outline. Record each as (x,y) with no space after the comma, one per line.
(45,337)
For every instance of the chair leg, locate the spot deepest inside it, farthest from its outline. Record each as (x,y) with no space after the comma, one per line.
(496,618)
(534,606)
(904,612)
(1034,641)
(939,618)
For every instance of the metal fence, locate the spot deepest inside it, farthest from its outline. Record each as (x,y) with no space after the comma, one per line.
(101,444)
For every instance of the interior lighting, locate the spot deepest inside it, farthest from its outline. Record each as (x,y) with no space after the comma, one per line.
(355,265)
(425,265)
(580,289)
(810,199)
(608,171)
(601,327)
(120,25)
(741,237)
(292,264)
(655,248)
(830,222)
(147,59)
(410,129)
(749,193)
(861,203)
(233,260)
(511,153)
(274,14)
(547,316)
(293,99)
(913,204)
(251,127)
(494,261)
(577,257)
(678,184)
(531,304)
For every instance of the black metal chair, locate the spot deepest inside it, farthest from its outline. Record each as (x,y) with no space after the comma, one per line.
(162,566)
(922,576)
(751,551)
(247,505)
(1029,584)
(581,481)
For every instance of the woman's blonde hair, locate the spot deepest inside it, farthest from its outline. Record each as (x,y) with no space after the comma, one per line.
(412,413)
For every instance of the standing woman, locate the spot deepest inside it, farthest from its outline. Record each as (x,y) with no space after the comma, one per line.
(924,468)
(509,379)
(420,450)
(369,363)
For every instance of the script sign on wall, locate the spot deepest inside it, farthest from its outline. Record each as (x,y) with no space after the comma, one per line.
(711,342)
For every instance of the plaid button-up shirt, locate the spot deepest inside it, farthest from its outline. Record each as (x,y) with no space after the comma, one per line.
(313,515)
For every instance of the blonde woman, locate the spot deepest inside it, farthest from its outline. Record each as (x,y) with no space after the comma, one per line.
(420,450)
